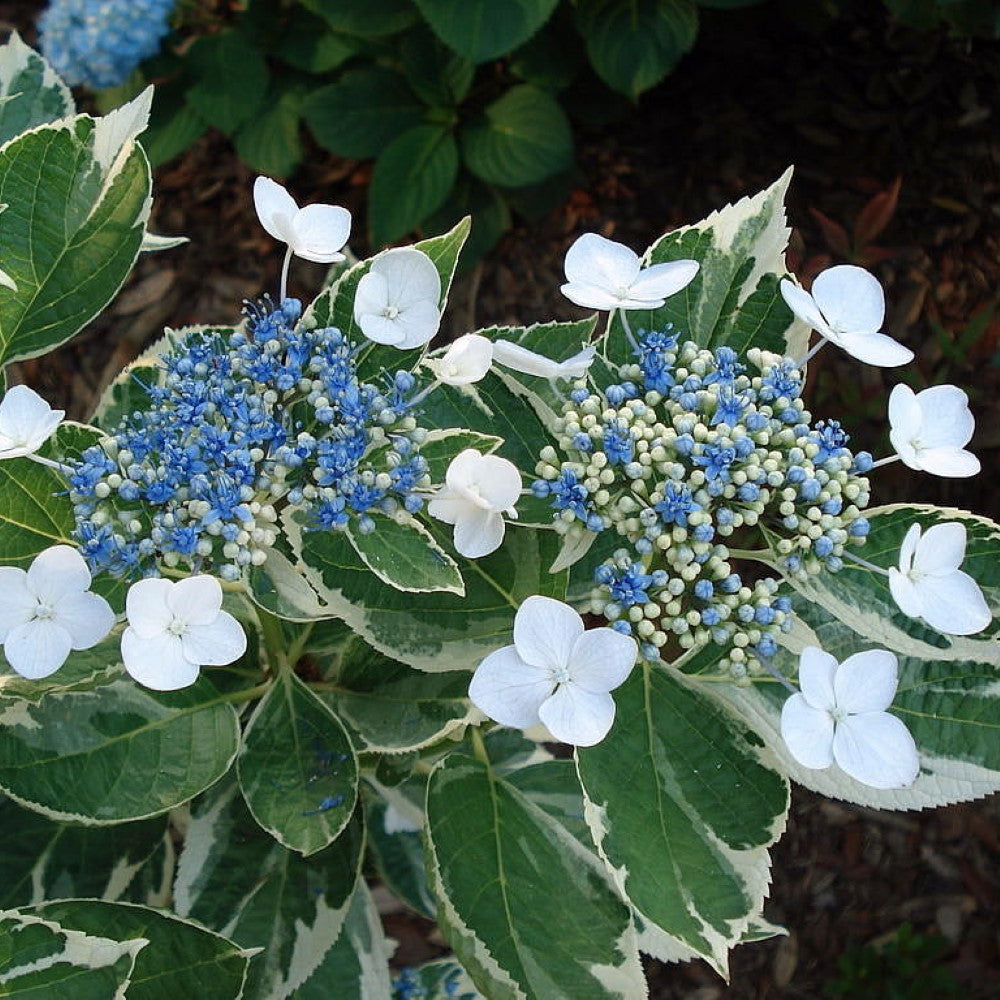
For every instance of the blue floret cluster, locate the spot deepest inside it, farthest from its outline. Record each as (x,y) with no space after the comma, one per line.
(99,42)
(699,459)
(243,428)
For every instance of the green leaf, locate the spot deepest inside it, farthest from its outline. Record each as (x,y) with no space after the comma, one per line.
(31,92)
(399,860)
(40,859)
(546,60)
(117,753)
(362,112)
(406,556)
(309,46)
(439,631)
(270,142)
(232,79)
(235,878)
(71,232)
(297,768)
(634,44)
(481,30)
(390,706)
(683,809)
(181,958)
(741,252)
(490,217)
(38,958)
(505,873)
(436,74)
(356,967)
(412,177)
(173,125)
(374,19)
(521,138)
(442,445)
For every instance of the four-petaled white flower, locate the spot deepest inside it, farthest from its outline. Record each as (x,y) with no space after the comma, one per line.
(479,489)
(605,275)
(840,716)
(466,361)
(555,674)
(847,308)
(520,359)
(929,429)
(397,301)
(26,422)
(175,628)
(48,611)
(929,584)
(316,232)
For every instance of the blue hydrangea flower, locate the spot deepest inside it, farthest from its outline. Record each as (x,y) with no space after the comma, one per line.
(99,42)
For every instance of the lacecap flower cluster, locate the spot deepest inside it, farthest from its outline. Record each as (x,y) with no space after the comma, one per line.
(100,42)
(244,426)
(692,454)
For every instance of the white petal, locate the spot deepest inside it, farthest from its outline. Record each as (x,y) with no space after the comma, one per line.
(499,482)
(26,422)
(850,299)
(947,419)
(320,231)
(807,732)
(380,329)
(816,672)
(146,607)
(591,297)
(578,365)
(467,360)
(904,593)
(520,359)
(601,659)
(509,690)
(866,682)
(660,281)
(909,547)
(941,549)
(371,296)
(157,661)
(215,645)
(953,604)
(578,717)
(418,323)
(802,305)
(595,260)
(955,463)
(87,618)
(17,601)
(876,749)
(903,445)
(905,413)
(37,648)
(275,208)
(874,349)
(545,631)
(463,469)
(57,572)
(448,507)
(410,275)
(196,600)
(478,532)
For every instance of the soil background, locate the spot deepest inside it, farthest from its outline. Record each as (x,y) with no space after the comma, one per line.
(854,103)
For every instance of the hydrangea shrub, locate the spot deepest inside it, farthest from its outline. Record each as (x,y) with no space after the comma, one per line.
(309,600)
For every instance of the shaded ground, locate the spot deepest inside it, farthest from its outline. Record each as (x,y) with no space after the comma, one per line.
(854,107)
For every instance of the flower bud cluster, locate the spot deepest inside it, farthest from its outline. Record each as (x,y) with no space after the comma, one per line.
(693,459)
(243,428)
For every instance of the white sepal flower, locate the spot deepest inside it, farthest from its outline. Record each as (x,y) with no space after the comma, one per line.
(48,611)
(397,301)
(555,674)
(479,489)
(175,628)
(520,359)
(930,429)
(26,422)
(847,307)
(466,361)
(604,275)
(316,232)
(929,584)
(840,717)
(6,281)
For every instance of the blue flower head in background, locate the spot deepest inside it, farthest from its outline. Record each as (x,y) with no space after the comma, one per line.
(98,43)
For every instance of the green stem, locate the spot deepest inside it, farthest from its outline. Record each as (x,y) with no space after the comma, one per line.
(274,641)
(761,555)
(248,694)
(478,746)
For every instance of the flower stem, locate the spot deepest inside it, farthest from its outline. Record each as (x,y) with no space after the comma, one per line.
(866,563)
(49,463)
(247,694)
(284,274)
(478,746)
(819,343)
(885,461)
(776,673)
(628,330)
(274,641)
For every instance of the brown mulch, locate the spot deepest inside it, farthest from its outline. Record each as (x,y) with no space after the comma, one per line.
(854,106)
